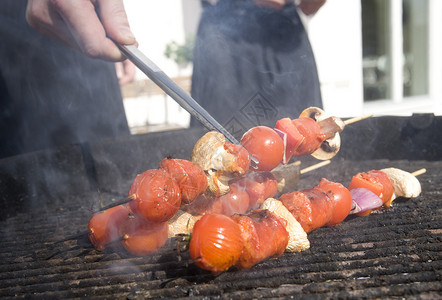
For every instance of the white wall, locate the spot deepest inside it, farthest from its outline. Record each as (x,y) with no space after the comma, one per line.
(336,38)
(157,23)
(334,33)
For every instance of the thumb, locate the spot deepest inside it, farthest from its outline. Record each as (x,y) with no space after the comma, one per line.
(114,19)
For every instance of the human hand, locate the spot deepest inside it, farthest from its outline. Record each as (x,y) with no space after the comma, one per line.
(83,25)
(125,71)
(273,4)
(310,7)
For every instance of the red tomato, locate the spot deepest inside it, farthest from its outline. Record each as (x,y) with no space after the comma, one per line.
(259,186)
(387,186)
(375,181)
(104,226)
(342,198)
(236,201)
(156,195)
(311,132)
(368,181)
(141,237)
(294,138)
(264,144)
(190,177)
(216,243)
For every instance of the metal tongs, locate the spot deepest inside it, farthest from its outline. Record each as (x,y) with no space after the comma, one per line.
(176,92)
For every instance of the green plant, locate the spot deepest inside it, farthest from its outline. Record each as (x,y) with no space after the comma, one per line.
(182,54)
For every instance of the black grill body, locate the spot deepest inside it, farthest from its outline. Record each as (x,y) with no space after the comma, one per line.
(48,196)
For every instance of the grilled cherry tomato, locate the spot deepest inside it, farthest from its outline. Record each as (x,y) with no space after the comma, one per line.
(258,185)
(388,188)
(375,181)
(190,177)
(156,196)
(341,196)
(265,145)
(311,132)
(216,243)
(141,237)
(104,226)
(236,201)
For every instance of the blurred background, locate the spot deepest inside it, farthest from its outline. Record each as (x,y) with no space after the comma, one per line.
(373,56)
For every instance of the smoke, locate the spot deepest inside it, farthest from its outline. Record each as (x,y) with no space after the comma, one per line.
(52,95)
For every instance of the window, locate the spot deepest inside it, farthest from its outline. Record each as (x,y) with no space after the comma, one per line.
(395,39)
(415,47)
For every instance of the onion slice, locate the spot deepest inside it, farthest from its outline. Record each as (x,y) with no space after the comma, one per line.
(283,136)
(363,200)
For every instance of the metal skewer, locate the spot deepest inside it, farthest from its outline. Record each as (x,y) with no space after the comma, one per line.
(176,92)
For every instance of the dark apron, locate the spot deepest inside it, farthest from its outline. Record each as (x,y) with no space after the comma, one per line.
(50,94)
(252,65)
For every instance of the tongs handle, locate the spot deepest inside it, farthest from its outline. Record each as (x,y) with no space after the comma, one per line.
(173,90)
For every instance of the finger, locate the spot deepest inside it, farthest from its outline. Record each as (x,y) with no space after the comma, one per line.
(125,72)
(273,4)
(84,25)
(45,20)
(129,72)
(311,7)
(114,19)
(119,70)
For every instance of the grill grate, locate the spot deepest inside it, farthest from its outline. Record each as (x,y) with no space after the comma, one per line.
(390,254)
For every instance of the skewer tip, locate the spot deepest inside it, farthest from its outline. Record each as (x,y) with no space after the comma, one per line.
(314,167)
(357,119)
(419,172)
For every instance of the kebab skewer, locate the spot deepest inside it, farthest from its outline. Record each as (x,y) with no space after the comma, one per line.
(140,241)
(312,133)
(379,188)
(215,251)
(238,164)
(217,158)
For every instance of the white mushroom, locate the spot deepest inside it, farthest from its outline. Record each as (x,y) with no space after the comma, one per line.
(182,223)
(219,165)
(209,153)
(218,182)
(314,113)
(298,238)
(331,127)
(404,184)
(328,149)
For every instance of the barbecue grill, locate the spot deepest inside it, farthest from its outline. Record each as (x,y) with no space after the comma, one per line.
(49,195)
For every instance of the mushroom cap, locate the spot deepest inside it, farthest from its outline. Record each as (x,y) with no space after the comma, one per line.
(297,236)
(220,165)
(181,223)
(314,113)
(330,147)
(404,184)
